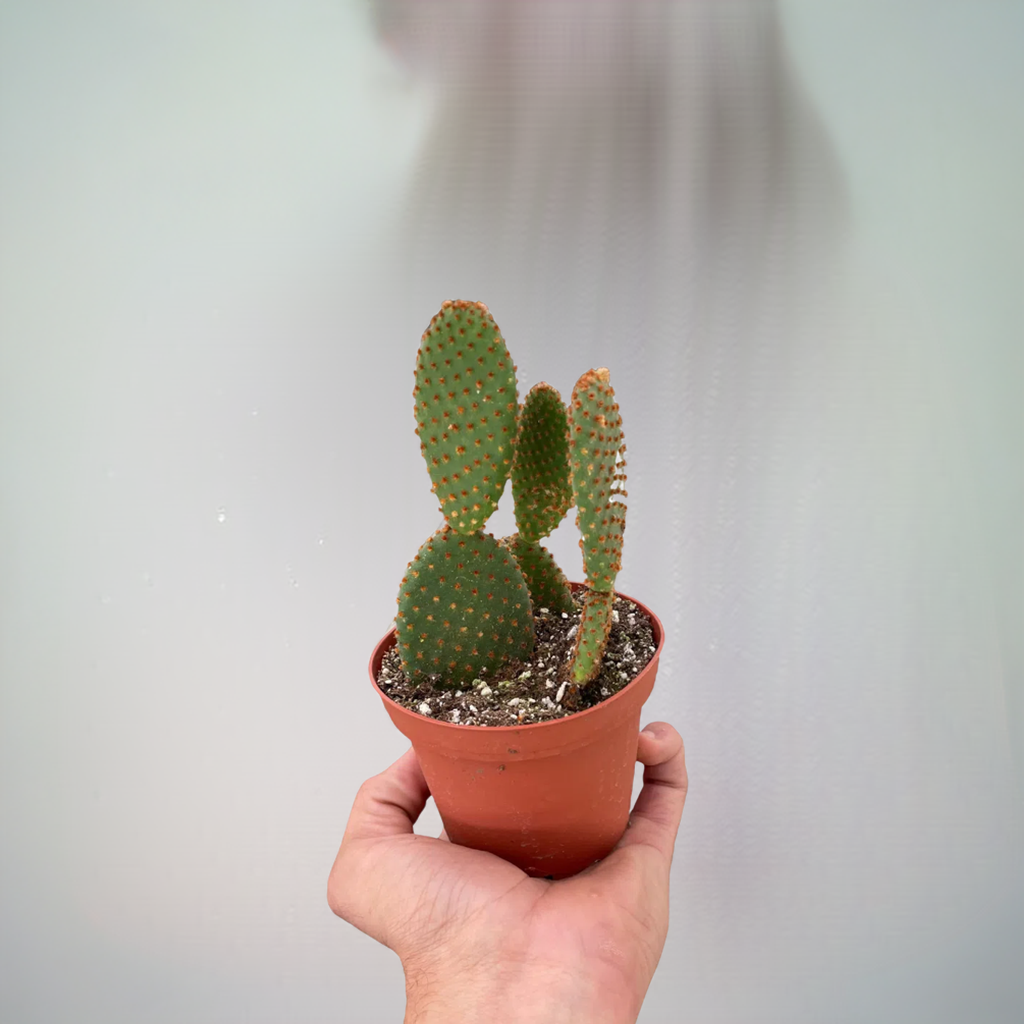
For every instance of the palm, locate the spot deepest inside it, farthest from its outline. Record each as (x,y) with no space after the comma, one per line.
(471,907)
(447,908)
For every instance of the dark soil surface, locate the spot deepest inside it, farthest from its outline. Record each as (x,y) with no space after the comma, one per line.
(520,693)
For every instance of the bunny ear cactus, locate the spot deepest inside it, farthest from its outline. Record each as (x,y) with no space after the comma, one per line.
(540,469)
(464,605)
(547,583)
(462,609)
(466,407)
(597,454)
(543,493)
(466,601)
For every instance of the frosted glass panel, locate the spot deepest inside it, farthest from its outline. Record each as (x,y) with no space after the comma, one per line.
(790,230)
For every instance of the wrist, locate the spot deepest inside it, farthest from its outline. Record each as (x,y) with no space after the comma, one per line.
(512,994)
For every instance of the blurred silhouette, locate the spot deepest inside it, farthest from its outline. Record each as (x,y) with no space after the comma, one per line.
(623,170)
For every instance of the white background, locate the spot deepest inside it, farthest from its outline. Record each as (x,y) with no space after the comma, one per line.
(792,232)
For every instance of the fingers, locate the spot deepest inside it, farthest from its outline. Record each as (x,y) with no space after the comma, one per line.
(389,803)
(656,813)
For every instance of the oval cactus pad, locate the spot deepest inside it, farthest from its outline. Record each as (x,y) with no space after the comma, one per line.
(597,453)
(463,608)
(548,586)
(540,467)
(466,408)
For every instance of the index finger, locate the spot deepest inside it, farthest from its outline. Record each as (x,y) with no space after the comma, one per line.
(389,803)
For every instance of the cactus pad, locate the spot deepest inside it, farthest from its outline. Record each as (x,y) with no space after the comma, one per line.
(540,469)
(592,636)
(598,474)
(463,608)
(466,408)
(548,586)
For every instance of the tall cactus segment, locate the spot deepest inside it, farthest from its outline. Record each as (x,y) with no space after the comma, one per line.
(466,409)
(541,482)
(597,454)
(463,608)
(598,476)
(592,635)
(547,583)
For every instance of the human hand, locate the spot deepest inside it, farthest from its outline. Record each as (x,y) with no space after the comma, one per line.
(479,939)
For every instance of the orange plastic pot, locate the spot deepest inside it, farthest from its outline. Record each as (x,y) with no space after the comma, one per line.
(552,797)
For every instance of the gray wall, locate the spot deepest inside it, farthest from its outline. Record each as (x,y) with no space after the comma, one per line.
(792,232)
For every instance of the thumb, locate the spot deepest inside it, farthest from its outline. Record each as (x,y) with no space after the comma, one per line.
(659,807)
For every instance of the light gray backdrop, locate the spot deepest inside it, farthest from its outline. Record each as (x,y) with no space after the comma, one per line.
(791,230)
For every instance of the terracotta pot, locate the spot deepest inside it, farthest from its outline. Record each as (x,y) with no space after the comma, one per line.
(552,797)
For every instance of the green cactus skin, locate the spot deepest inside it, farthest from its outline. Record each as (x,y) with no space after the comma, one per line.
(598,474)
(463,608)
(592,636)
(547,583)
(597,455)
(540,467)
(466,409)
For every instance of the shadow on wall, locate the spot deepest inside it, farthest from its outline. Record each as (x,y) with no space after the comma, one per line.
(626,171)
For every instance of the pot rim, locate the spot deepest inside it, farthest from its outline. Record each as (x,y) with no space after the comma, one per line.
(390,638)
